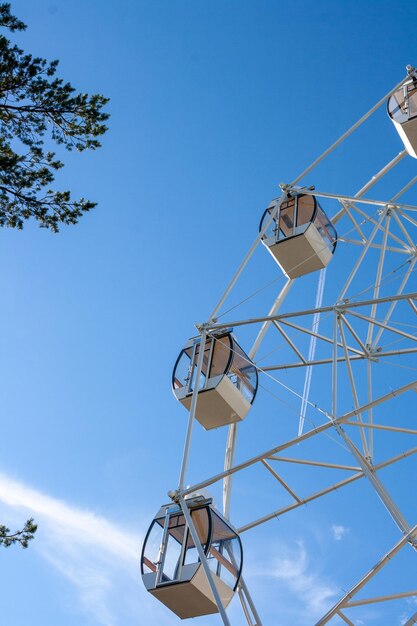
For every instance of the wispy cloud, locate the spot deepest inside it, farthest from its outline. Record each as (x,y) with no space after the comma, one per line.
(308,593)
(339,532)
(99,558)
(295,570)
(411,611)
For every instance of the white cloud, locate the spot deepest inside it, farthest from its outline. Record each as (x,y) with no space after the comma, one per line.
(339,532)
(406,615)
(99,558)
(298,576)
(76,524)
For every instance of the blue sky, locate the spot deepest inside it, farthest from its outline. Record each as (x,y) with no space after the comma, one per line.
(212,105)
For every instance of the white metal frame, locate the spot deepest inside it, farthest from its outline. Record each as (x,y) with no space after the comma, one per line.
(357,329)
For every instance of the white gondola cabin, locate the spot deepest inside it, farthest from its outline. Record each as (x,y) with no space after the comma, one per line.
(402,109)
(301,238)
(170,565)
(228,381)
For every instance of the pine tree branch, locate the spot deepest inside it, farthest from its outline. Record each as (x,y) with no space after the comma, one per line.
(20,536)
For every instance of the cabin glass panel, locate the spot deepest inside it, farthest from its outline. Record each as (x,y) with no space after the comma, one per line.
(286,219)
(194,362)
(225,554)
(177,547)
(402,105)
(151,550)
(186,367)
(293,217)
(201,521)
(222,356)
(305,212)
(325,228)
(182,373)
(242,373)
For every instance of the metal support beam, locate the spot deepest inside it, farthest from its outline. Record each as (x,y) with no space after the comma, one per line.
(340,359)
(289,342)
(392,596)
(281,481)
(349,132)
(377,567)
(394,304)
(352,468)
(360,259)
(203,559)
(345,619)
(310,433)
(274,310)
(395,429)
(411,620)
(351,200)
(245,596)
(343,483)
(372,320)
(342,306)
(353,389)
(191,417)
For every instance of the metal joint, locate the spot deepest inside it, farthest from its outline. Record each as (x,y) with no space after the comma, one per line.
(174,495)
(201,326)
(411,71)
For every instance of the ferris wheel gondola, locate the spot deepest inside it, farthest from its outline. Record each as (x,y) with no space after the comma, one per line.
(300,237)
(171,568)
(227,383)
(402,109)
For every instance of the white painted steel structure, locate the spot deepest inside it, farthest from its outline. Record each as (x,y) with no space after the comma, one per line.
(372,321)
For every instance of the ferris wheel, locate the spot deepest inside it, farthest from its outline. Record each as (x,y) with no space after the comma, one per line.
(342,323)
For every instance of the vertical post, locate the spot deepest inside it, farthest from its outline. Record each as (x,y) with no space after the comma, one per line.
(162,550)
(193,406)
(228,463)
(311,350)
(354,391)
(203,559)
(334,367)
(370,411)
(379,276)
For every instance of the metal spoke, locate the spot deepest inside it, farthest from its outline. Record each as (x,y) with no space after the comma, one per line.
(354,590)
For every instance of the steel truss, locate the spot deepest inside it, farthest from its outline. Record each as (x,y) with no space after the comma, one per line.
(373,321)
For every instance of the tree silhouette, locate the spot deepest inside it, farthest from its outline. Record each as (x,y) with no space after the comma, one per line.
(36,105)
